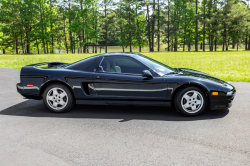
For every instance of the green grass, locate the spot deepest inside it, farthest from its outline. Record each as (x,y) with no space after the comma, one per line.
(229,66)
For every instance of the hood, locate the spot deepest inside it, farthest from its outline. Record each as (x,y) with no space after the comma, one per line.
(201,75)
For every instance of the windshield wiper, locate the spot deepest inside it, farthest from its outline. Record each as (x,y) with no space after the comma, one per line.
(171,73)
(178,70)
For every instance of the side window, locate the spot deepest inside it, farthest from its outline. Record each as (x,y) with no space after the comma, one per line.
(122,64)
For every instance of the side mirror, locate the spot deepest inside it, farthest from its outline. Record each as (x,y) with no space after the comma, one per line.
(99,69)
(147,73)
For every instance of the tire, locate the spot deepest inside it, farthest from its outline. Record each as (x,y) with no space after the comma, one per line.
(58,98)
(190,101)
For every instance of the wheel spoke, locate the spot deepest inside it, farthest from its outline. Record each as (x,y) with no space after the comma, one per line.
(62,102)
(195,95)
(186,105)
(198,101)
(62,95)
(193,107)
(186,97)
(50,98)
(55,91)
(55,104)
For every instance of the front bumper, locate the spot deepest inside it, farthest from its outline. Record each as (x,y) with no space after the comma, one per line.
(225,102)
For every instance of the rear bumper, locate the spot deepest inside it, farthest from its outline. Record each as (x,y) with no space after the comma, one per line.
(20,89)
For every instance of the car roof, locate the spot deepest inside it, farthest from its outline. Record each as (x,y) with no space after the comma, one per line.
(120,54)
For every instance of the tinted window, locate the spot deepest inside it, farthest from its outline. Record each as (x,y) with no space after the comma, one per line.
(122,64)
(83,64)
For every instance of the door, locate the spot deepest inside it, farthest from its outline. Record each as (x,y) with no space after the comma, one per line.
(122,79)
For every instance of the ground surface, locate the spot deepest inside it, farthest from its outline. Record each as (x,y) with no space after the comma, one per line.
(229,66)
(111,135)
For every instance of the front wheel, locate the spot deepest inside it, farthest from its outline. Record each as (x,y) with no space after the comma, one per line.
(58,98)
(190,101)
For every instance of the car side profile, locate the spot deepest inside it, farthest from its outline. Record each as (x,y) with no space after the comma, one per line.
(123,79)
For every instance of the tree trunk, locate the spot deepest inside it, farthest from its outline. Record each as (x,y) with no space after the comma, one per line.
(130,37)
(196,28)
(37,47)
(168,24)
(212,42)
(22,43)
(3,51)
(175,44)
(158,26)
(74,45)
(70,34)
(172,45)
(96,48)
(224,37)
(184,45)
(249,43)
(16,45)
(153,28)
(215,44)
(52,38)
(28,43)
(66,45)
(185,30)
(227,44)
(106,28)
(204,26)
(246,43)
(47,46)
(28,48)
(83,39)
(149,38)
(201,46)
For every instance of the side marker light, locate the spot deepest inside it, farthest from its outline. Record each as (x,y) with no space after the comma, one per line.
(215,93)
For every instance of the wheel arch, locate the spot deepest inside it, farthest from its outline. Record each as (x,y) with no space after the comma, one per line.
(48,83)
(191,84)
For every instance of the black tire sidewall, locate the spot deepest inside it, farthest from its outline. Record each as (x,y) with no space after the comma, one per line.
(179,97)
(70,103)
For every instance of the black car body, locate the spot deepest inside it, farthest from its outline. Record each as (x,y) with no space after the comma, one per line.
(90,83)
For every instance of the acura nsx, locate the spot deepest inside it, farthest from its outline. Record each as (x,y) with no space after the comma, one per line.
(123,79)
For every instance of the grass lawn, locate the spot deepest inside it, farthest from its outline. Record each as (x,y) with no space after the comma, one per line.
(229,66)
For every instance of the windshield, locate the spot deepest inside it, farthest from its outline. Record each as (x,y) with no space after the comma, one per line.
(158,67)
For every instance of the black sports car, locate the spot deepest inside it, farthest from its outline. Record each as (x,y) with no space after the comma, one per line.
(123,79)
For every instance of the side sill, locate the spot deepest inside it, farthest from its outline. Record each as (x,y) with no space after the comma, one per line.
(124,102)
(91,102)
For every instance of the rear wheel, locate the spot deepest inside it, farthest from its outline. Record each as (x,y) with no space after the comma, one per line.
(190,101)
(58,98)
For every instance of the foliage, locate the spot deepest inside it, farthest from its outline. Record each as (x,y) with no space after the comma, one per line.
(28,26)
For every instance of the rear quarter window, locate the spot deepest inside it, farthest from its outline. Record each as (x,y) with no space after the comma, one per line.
(83,64)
